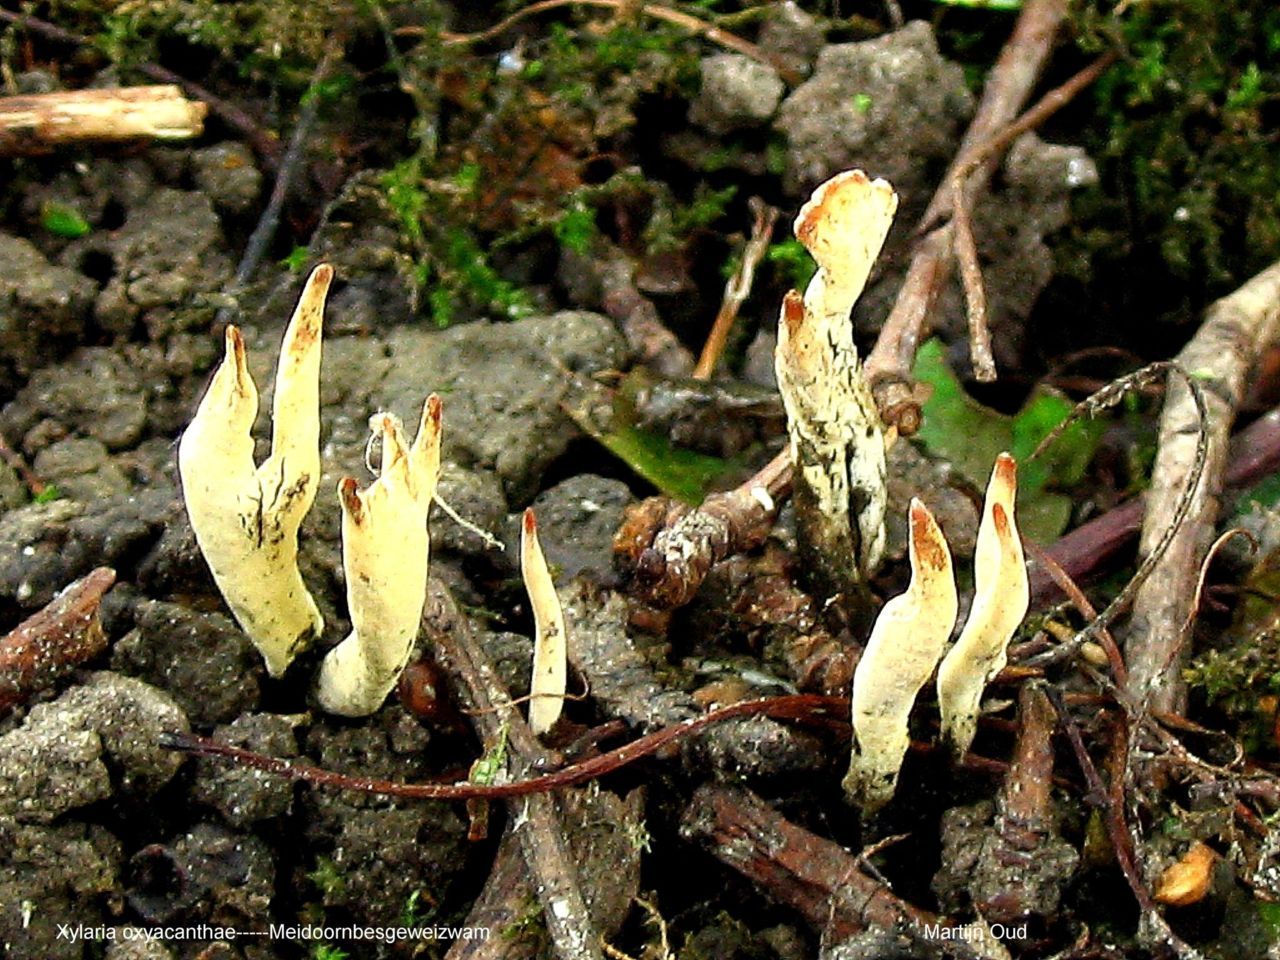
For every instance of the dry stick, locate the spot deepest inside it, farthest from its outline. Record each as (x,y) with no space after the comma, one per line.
(670,571)
(966,248)
(1009,83)
(33,125)
(1235,332)
(695,26)
(52,642)
(813,875)
(264,143)
(738,288)
(1118,830)
(553,876)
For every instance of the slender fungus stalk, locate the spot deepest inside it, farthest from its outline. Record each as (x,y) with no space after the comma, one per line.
(385,551)
(547,685)
(906,642)
(1001,597)
(837,444)
(246,518)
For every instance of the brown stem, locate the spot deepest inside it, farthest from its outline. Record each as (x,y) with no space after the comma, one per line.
(738,288)
(797,707)
(670,571)
(1254,454)
(552,873)
(52,642)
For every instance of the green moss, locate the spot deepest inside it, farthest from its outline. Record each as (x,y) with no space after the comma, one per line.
(1184,132)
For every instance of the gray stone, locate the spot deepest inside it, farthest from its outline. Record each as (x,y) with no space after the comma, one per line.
(40,304)
(169,249)
(44,546)
(891,106)
(13,492)
(81,469)
(226,172)
(98,391)
(502,385)
(576,523)
(380,851)
(203,660)
(737,92)
(97,740)
(225,875)
(792,35)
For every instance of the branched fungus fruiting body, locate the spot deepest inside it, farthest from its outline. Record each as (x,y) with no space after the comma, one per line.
(550,651)
(385,552)
(906,642)
(1000,600)
(837,444)
(246,518)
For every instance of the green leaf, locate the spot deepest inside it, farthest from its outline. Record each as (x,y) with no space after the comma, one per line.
(969,435)
(63,220)
(680,474)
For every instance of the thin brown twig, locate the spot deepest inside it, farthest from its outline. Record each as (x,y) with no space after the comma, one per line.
(738,288)
(553,875)
(1255,453)
(965,246)
(680,19)
(795,707)
(1008,85)
(1119,672)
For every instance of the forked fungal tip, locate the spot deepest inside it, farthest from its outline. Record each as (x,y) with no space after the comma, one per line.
(435,409)
(530,522)
(322,274)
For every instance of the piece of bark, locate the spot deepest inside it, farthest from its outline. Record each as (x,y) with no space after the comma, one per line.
(814,876)
(687,542)
(1235,333)
(35,124)
(51,643)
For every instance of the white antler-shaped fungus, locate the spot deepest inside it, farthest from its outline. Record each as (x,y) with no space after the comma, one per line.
(547,684)
(1001,595)
(246,518)
(837,444)
(906,642)
(385,552)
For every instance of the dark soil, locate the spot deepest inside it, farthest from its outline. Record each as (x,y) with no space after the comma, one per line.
(538,227)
